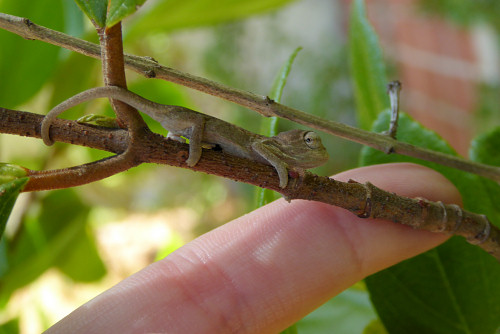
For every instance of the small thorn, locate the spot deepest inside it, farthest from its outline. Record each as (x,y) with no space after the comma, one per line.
(393,89)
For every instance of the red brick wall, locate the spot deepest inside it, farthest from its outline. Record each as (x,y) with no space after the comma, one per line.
(437,64)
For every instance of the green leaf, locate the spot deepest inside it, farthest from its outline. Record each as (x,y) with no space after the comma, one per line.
(48,239)
(83,250)
(367,67)
(486,148)
(26,65)
(176,14)
(280,80)
(375,327)
(290,330)
(82,76)
(269,126)
(454,288)
(95,10)
(9,172)
(119,9)
(348,313)
(9,327)
(8,195)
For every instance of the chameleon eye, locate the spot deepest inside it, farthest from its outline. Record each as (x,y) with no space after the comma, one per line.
(312,140)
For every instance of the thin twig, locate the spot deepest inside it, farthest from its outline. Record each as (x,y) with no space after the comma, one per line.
(148,67)
(80,175)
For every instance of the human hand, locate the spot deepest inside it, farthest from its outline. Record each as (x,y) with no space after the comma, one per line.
(263,271)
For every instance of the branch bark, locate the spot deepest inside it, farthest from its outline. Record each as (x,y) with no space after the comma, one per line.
(148,67)
(364,200)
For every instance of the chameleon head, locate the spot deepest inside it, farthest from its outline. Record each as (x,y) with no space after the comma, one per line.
(302,148)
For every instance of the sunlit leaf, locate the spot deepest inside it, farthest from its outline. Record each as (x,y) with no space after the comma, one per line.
(486,148)
(10,172)
(95,10)
(120,9)
(176,14)
(8,195)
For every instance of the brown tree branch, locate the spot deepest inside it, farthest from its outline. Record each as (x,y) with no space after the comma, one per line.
(113,71)
(148,67)
(114,74)
(80,175)
(365,200)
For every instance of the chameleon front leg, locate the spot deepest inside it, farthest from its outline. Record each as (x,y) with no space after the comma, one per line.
(195,142)
(278,164)
(195,139)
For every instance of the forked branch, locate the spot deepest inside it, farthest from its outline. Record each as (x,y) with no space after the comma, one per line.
(148,67)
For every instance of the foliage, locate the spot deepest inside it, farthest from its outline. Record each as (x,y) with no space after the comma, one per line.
(433,291)
(17,89)
(454,288)
(12,181)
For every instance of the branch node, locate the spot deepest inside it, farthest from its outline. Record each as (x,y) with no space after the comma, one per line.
(27,22)
(150,59)
(424,205)
(389,150)
(367,210)
(483,235)
(444,219)
(268,101)
(150,74)
(460,215)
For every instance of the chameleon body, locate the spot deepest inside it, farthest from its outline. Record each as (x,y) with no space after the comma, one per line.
(295,149)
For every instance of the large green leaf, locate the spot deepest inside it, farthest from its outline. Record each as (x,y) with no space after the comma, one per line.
(348,313)
(367,67)
(454,288)
(26,65)
(175,14)
(9,327)
(51,237)
(83,250)
(486,148)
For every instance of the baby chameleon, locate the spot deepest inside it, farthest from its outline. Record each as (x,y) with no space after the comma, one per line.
(295,149)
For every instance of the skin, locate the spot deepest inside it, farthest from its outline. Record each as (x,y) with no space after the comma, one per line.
(264,271)
(294,149)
